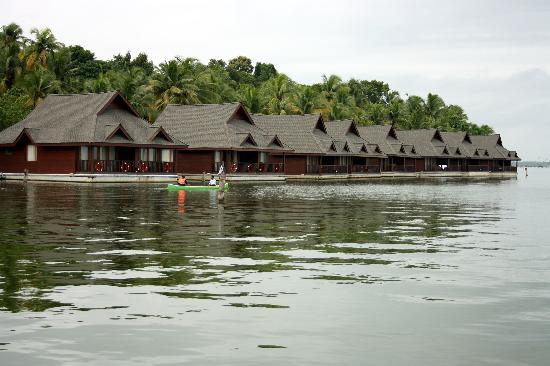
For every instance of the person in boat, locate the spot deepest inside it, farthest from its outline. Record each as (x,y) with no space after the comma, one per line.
(212,181)
(182,181)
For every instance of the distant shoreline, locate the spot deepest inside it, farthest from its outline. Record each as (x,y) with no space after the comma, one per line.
(534,164)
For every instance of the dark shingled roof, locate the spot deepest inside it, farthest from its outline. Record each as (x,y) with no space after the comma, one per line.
(86,118)
(217,126)
(491,146)
(427,142)
(305,134)
(347,132)
(460,140)
(384,136)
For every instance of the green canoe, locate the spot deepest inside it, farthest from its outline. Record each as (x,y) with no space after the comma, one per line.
(175,187)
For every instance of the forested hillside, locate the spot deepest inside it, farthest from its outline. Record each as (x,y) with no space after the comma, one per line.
(33,67)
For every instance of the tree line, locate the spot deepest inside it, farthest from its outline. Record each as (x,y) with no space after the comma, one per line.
(31,68)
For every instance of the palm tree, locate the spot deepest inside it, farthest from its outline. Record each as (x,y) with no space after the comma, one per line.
(100,85)
(251,99)
(433,108)
(38,84)
(416,117)
(305,100)
(395,111)
(277,91)
(179,81)
(329,86)
(11,38)
(40,49)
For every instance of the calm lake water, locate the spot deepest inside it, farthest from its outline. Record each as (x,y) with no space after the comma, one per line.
(441,272)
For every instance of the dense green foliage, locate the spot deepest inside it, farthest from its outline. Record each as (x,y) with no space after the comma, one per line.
(32,68)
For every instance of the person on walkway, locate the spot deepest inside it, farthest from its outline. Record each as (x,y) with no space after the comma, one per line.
(212,181)
(222,169)
(182,181)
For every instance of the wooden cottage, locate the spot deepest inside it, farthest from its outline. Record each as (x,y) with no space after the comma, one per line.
(96,133)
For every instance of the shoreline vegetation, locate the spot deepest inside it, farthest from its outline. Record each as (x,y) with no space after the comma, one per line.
(33,67)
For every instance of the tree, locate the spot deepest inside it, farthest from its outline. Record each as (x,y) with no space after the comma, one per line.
(83,64)
(305,100)
(142,61)
(41,49)
(415,112)
(11,38)
(396,111)
(453,118)
(217,64)
(100,85)
(13,107)
(240,69)
(433,108)
(251,99)
(183,82)
(264,72)
(277,91)
(329,86)
(37,84)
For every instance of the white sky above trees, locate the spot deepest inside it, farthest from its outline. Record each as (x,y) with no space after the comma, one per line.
(490,57)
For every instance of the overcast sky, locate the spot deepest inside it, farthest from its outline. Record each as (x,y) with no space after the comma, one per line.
(490,57)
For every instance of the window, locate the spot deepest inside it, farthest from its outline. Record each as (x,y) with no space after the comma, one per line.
(31,153)
(143,154)
(83,152)
(112,153)
(167,156)
(152,155)
(102,153)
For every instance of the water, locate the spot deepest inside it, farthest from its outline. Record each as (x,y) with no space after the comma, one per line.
(442,272)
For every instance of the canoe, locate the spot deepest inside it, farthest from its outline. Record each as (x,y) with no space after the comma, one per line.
(175,187)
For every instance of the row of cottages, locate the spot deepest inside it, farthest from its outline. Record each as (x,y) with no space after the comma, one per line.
(102,133)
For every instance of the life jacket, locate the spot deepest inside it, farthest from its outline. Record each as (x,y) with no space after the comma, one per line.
(182,181)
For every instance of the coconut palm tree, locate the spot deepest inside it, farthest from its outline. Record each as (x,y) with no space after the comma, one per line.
(37,84)
(305,100)
(278,90)
(100,85)
(329,86)
(11,40)
(251,99)
(40,50)
(433,107)
(416,117)
(180,81)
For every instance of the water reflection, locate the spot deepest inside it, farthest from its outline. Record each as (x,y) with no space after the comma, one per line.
(69,235)
(137,254)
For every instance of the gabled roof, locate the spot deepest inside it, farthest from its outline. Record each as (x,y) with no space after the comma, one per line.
(82,118)
(305,134)
(216,126)
(427,142)
(461,140)
(384,136)
(492,144)
(348,132)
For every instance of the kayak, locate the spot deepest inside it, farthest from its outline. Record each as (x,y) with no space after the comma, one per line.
(176,187)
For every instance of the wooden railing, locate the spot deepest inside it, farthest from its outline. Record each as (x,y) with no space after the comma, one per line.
(253,168)
(365,168)
(124,166)
(333,169)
